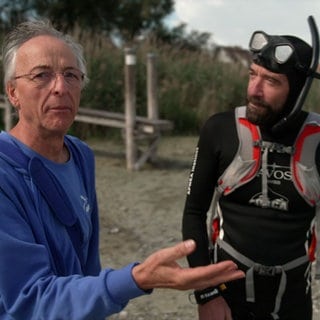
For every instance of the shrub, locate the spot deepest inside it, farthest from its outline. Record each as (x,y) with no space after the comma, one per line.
(192,85)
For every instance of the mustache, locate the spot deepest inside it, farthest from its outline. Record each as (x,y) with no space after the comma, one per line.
(258,102)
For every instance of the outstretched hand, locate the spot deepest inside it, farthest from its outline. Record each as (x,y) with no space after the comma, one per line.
(161,270)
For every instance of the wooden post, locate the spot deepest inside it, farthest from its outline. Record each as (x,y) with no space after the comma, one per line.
(130,107)
(7,112)
(7,115)
(153,111)
(152,93)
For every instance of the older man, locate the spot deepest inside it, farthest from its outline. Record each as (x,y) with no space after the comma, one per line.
(49,266)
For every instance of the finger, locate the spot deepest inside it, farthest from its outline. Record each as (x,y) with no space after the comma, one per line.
(189,246)
(178,251)
(184,248)
(220,268)
(224,266)
(221,278)
(212,275)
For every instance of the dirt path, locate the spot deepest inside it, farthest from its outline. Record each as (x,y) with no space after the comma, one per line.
(140,212)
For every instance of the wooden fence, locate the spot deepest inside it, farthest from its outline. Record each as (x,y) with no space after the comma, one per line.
(137,128)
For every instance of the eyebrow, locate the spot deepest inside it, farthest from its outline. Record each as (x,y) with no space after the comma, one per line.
(47,67)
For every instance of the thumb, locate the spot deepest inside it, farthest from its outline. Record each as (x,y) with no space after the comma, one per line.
(176,252)
(184,248)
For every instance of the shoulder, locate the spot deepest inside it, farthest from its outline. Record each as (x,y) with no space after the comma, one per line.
(77,143)
(219,134)
(222,122)
(313,117)
(78,147)
(219,119)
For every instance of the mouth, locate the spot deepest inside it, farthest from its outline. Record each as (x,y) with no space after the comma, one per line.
(256,105)
(61,109)
(253,106)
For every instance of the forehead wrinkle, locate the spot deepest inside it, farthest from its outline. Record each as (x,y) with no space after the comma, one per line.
(45,67)
(46,51)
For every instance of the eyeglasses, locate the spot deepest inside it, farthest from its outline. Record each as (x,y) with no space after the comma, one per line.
(281,52)
(73,77)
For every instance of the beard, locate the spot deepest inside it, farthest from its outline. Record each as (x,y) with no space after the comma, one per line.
(261,113)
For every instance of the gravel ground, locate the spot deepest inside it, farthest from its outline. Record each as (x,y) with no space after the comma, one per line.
(141,212)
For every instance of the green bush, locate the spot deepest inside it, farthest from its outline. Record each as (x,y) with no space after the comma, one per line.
(191,85)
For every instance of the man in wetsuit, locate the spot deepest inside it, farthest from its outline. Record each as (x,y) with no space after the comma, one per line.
(265,223)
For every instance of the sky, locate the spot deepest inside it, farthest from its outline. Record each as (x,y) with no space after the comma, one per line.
(232,22)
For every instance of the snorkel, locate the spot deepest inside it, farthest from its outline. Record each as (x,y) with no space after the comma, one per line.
(312,73)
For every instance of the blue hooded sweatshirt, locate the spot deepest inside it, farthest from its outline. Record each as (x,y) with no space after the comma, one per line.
(50,266)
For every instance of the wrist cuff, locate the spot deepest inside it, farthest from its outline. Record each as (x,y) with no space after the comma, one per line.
(206,295)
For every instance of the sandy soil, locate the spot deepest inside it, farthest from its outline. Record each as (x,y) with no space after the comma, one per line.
(140,212)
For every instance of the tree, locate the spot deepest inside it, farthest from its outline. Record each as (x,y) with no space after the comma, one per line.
(14,11)
(127,19)
(179,38)
(91,15)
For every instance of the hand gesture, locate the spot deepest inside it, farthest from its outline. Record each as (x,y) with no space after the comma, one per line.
(160,270)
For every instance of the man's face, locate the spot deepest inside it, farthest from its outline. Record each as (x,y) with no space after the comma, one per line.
(45,106)
(267,93)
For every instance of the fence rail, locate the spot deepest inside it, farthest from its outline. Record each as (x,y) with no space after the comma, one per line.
(117,120)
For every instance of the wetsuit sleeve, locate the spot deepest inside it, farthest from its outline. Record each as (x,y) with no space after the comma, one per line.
(208,165)
(318,159)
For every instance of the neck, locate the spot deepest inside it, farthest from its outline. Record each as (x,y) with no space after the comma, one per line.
(50,146)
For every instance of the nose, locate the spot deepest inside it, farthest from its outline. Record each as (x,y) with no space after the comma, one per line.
(59,84)
(255,87)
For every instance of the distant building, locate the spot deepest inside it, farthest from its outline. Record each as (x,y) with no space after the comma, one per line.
(232,55)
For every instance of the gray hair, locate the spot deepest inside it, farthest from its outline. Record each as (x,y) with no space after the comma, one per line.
(31,29)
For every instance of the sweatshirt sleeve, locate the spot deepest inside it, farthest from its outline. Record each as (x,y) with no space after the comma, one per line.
(122,287)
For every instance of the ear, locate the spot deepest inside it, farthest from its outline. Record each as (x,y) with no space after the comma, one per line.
(12,94)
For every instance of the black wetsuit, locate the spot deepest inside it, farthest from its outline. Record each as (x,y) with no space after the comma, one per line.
(270,236)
